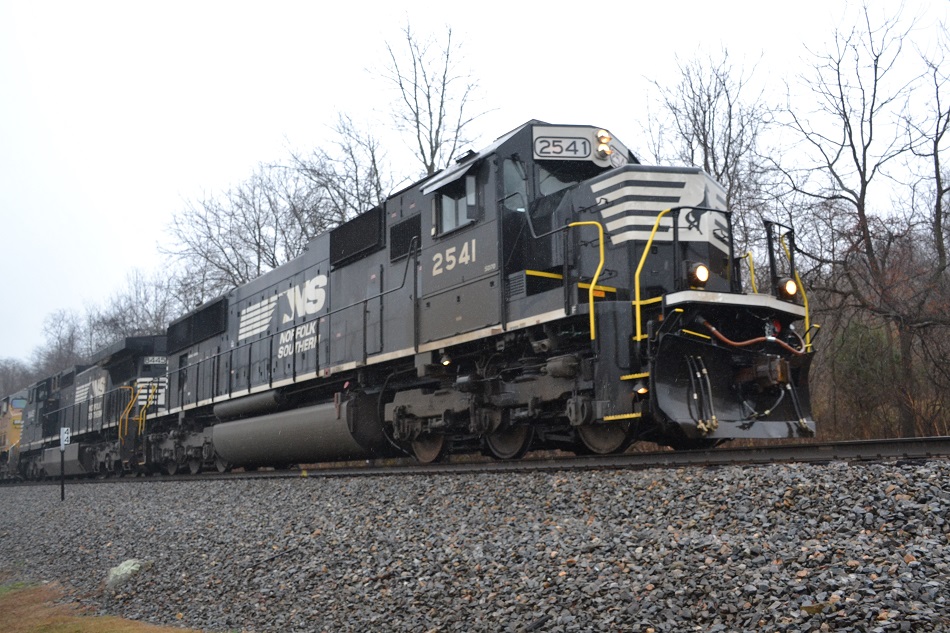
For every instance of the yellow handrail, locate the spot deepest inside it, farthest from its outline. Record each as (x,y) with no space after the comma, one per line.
(636,281)
(798,280)
(124,418)
(153,387)
(600,267)
(748,257)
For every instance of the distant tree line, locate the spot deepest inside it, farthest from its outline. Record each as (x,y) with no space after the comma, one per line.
(852,160)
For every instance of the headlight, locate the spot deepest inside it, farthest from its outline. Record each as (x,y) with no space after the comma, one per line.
(698,275)
(603,144)
(787,288)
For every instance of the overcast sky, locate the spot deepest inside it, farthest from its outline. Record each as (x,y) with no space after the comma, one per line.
(112,114)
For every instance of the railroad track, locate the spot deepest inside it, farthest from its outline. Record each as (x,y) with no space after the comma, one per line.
(816,452)
(870,450)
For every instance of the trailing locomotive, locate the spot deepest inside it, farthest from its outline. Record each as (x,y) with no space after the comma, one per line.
(547,291)
(103,405)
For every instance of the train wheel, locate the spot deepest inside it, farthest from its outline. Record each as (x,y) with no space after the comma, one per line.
(222,465)
(170,467)
(430,448)
(194,466)
(510,442)
(603,439)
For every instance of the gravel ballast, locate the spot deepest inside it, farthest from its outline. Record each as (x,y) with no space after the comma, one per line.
(779,548)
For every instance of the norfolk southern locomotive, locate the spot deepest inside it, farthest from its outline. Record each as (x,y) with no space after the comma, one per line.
(548,291)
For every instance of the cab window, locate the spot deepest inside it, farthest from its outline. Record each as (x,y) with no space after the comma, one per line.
(454,205)
(516,188)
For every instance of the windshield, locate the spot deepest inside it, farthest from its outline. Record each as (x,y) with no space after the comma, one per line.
(553,176)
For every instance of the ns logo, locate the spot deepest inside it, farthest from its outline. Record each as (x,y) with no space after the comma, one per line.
(305,299)
(302,300)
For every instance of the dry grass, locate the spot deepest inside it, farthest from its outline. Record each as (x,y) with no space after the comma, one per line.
(25,609)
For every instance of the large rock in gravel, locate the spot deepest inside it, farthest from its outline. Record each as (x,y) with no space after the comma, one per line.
(121,573)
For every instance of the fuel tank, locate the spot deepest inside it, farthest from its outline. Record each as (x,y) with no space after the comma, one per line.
(325,432)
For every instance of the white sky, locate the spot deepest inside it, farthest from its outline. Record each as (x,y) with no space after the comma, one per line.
(114,113)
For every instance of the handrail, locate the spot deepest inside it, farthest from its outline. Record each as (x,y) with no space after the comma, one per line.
(643,258)
(748,258)
(73,412)
(124,418)
(152,390)
(412,257)
(600,268)
(798,280)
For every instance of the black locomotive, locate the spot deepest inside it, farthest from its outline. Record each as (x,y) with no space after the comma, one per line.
(101,406)
(548,291)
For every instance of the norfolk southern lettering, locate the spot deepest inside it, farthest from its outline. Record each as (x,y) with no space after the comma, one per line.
(302,338)
(301,300)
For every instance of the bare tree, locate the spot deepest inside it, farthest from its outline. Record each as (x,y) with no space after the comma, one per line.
(710,118)
(435,96)
(67,343)
(226,241)
(223,241)
(877,238)
(348,178)
(143,307)
(929,134)
(229,240)
(14,375)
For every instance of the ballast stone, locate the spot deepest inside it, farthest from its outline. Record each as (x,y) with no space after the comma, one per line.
(121,573)
(734,549)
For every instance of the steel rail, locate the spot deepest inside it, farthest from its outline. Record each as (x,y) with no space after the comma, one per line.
(915,449)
